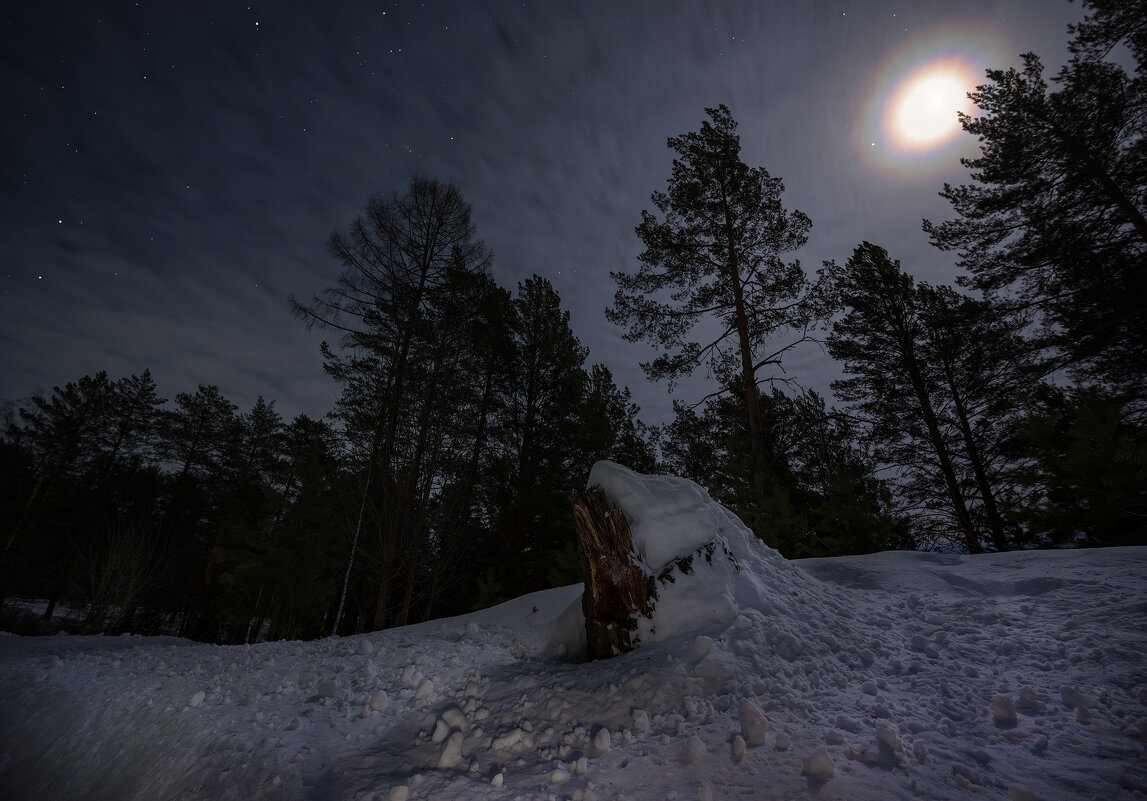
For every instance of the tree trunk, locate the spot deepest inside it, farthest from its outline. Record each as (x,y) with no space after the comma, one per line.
(353,549)
(963,519)
(381,604)
(34,505)
(617,590)
(762,459)
(61,582)
(995,519)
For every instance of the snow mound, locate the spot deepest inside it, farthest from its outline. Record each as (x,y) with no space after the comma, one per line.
(709,566)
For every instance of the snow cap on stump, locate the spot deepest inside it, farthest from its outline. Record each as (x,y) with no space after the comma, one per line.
(682,537)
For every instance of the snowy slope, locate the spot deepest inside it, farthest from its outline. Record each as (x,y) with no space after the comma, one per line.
(890,676)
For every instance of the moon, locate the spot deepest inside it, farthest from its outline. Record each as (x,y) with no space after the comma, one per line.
(922,113)
(908,126)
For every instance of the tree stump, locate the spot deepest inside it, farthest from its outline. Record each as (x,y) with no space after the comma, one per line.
(617,590)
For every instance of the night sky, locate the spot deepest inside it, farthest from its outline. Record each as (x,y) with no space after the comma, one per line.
(171,172)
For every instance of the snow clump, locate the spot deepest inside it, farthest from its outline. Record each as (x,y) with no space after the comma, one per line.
(695,548)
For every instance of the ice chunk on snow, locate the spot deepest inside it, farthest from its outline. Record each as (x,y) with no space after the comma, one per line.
(819,765)
(1003,711)
(411,676)
(1072,698)
(452,752)
(601,741)
(508,740)
(1028,703)
(454,718)
(196,699)
(441,730)
(640,720)
(691,750)
(701,647)
(788,646)
(753,724)
(888,737)
(847,723)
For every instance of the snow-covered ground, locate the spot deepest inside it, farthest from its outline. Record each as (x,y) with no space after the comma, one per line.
(891,676)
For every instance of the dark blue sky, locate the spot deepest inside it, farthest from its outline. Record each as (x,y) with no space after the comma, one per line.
(170,173)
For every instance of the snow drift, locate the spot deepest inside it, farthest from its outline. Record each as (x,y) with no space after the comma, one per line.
(890,676)
(708,566)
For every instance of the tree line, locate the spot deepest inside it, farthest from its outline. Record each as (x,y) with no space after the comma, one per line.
(437,484)
(1005,412)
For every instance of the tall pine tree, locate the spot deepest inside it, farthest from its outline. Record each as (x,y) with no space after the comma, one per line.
(716,254)
(1055,218)
(890,384)
(413,280)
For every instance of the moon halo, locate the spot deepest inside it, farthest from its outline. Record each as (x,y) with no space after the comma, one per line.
(908,122)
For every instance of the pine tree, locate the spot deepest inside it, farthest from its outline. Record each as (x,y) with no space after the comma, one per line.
(250,502)
(694,446)
(1055,219)
(63,429)
(414,277)
(195,435)
(61,434)
(541,432)
(890,384)
(1084,467)
(826,500)
(88,529)
(715,255)
(128,435)
(195,439)
(982,368)
(308,541)
(610,427)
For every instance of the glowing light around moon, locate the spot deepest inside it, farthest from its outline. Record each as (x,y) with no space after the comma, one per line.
(909,122)
(923,113)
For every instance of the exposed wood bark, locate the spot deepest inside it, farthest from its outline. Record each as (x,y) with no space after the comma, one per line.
(617,590)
